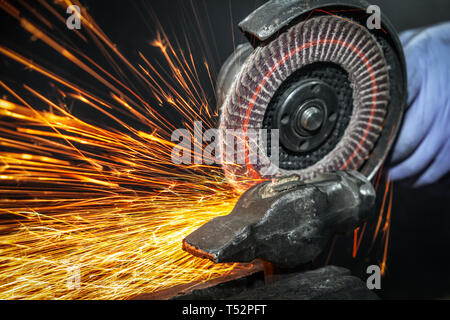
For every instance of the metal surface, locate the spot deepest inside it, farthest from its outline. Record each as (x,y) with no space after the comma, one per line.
(327,283)
(287,222)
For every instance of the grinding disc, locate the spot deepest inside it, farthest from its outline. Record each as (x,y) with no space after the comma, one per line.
(348,63)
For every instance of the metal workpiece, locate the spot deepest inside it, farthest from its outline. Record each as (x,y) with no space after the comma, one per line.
(286,221)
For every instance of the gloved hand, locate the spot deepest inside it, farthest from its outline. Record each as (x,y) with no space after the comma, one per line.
(421,153)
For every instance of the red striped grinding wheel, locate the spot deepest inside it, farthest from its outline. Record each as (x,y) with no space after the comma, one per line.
(324,84)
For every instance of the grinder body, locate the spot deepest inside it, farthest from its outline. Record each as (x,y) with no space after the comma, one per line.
(358,137)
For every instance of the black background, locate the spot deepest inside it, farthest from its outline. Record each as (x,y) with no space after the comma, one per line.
(419,251)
